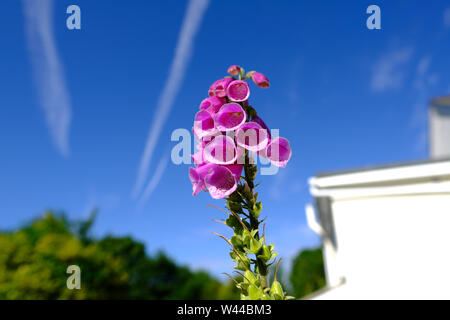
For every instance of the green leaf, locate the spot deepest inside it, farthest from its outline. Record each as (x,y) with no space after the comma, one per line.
(254,293)
(235,197)
(234,206)
(257,207)
(276,290)
(249,277)
(236,241)
(233,222)
(274,254)
(266,253)
(254,246)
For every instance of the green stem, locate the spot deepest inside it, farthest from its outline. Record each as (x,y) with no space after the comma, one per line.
(254,222)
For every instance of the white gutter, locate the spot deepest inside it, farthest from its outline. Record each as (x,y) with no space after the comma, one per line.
(415,189)
(417,171)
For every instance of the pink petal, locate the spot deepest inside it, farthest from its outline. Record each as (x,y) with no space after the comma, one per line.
(252,136)
(260,80)
(279,152)
(212,104)
(230,117)
(197,177)
(197,158)
(236,169)
(220,182)
(219,88)
(234,70)
(263,125)
(204,124)
(238,90)
(221,150)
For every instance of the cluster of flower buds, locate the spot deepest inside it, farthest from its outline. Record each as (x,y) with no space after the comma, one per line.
(225,127)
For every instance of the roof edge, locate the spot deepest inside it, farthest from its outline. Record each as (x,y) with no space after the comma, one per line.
(383,173)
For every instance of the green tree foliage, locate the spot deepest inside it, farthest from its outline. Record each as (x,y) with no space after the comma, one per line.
(307,274)
(34,259)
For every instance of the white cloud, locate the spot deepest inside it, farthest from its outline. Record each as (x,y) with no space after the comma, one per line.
(389,71)
(48,71)
(447,18)
(423,84)
(423,66)
(422,69)
(183,53)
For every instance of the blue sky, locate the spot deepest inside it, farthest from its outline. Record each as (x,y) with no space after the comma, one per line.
(76,112)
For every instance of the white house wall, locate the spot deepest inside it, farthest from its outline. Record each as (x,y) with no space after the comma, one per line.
(394,246)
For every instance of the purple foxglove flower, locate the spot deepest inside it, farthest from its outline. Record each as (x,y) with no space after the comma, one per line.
(221,150)
(238,90)
(260,80)
(204,124)
(220,182)
(278,151)
(236,169)
(263,125)
(219,88)
(197,177)
(230,117)
(252,136)
(234,70)
(212,104)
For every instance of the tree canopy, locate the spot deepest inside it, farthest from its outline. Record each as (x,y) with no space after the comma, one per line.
(307,274)
(34,260)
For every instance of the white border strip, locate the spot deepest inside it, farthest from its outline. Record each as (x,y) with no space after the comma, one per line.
(416,189)
(382,175)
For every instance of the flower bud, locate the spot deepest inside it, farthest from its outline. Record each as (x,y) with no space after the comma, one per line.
(260,80)
(234,70)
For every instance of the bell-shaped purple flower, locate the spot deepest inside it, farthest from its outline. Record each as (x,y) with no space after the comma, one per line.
(278,151)
(252,136)
(204,124)
(238,90)
(221,150)
(219,88)
(230,117)
(220,182)
(212,104)
(197,177)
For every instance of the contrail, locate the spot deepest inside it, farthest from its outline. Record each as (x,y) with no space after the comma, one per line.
(154,181)
(183,53)
(48,71)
